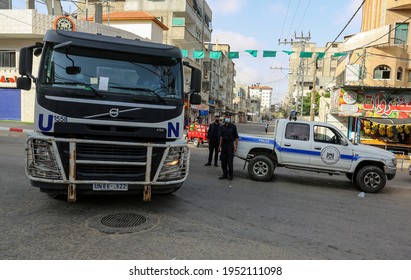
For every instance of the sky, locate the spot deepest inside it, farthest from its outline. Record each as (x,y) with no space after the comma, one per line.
(259,24)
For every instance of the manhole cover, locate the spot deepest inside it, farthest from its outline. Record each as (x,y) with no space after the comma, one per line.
(123,220)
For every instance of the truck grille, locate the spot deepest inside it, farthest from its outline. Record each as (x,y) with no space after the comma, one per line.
(110,162)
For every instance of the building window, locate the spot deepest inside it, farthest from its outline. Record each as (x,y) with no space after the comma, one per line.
(401,33)
(409,76)
(399,74)
(382,72)
(178,22)
(8,59)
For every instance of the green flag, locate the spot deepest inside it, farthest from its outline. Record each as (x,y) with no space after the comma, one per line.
(289,52)
(269,53)
(198,54)
(232,55)
(306,54)
(185,53)
(215,55)
(252,52)
(339,54)
(319,55)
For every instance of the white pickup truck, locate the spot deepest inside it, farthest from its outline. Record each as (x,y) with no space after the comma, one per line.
(318,147)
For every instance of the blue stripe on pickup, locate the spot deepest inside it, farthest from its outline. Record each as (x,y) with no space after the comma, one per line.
(289,150)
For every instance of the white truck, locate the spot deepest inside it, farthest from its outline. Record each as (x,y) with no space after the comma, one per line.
(318,147)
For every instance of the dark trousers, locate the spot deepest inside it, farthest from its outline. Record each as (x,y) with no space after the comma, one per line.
(213,148)
(227,158)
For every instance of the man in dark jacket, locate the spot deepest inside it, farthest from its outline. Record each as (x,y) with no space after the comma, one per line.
(213,136)
(228,146)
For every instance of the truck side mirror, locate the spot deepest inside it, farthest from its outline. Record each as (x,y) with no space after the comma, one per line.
(23,83)
(26,61)
(195,99)
(344,142)
(195,80)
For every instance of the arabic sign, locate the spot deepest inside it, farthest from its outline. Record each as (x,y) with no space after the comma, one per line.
(371,104)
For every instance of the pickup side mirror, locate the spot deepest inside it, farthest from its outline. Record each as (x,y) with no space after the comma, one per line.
(344,142)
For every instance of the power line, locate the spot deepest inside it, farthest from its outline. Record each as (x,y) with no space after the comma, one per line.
(345,26)
(296,10)
(286,15)
(309,2)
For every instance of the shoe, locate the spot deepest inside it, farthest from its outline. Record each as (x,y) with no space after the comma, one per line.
(230,178)
(216,164)
(207,164)
(223,177)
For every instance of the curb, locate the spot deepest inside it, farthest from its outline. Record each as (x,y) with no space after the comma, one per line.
(15,129)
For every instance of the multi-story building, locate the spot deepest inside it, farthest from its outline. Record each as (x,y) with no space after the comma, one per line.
(303,70)
(218,80)
(374,78)
(264,93)
(240,103)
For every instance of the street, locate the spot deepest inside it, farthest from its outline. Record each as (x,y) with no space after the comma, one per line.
(296,215)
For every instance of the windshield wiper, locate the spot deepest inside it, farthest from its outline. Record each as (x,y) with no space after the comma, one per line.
(86,86)
(145,90)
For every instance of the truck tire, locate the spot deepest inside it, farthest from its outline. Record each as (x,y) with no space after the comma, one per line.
(371,179)
(196,142)
(261,168)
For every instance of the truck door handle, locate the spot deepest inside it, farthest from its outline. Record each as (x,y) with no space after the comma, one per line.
(287,144)
(317,148)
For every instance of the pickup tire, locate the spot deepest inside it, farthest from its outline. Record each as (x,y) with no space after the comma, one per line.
(371,179)
(261,168)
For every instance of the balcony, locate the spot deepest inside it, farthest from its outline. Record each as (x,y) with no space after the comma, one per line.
(398,5)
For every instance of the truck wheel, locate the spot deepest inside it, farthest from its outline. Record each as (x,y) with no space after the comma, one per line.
(261,168)
(196,142)
(371,179)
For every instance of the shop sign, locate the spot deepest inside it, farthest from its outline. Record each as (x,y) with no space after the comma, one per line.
(5,79)
(201,107)
(64,23)
(371,104)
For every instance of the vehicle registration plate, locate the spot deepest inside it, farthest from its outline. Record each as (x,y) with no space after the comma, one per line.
(110,187)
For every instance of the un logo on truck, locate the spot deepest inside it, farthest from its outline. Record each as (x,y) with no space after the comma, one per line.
(330,155)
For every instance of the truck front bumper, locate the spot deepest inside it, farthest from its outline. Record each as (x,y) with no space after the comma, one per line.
(390,171)
(56,162)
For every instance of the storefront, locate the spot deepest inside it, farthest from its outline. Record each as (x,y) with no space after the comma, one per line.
(378,116)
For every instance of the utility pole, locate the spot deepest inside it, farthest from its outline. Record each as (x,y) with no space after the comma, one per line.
(300,78)
(313,94)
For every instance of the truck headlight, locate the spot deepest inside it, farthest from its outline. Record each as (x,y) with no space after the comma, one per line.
(175,166)
(41,161)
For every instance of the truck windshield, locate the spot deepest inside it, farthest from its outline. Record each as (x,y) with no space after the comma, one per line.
(112,73)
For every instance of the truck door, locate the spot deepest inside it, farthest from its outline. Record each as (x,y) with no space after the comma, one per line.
(294,147)
(329,150)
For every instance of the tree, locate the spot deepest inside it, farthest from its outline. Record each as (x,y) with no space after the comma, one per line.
(307,103)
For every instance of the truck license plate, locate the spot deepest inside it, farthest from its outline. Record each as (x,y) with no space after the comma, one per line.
(110,187)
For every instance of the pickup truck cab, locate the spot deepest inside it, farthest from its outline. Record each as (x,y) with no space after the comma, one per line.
(318,147)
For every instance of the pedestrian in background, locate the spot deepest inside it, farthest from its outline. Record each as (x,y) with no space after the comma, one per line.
(213,137)
(228,146)
(266,127)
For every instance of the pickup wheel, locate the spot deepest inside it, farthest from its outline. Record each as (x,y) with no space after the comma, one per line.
(261,168)
(371,179)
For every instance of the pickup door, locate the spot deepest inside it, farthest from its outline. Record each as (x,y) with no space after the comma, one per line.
(294,145)
(329,151)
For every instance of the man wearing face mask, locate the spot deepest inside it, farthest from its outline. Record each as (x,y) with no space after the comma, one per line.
(228,146)
(213,136)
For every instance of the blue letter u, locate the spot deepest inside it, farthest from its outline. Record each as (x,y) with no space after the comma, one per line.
(49,123)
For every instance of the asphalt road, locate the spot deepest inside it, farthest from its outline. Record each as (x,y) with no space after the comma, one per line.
(297,215)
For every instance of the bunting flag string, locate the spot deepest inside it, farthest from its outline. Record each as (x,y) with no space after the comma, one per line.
(254,53)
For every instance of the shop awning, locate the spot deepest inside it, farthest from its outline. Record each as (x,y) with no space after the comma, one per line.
(388,121)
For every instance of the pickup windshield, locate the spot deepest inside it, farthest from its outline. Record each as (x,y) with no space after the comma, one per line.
(112,73)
